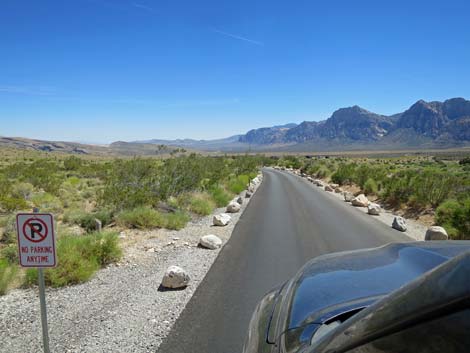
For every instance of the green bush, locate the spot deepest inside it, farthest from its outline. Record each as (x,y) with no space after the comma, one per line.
(455,218)
(175,220)
(140,217)
(322,172)
(238,184)
(344,174)
(73,181)
(87,220)
(88,223)
(370,187)
(432,187)
(220,196)
(9,235)
(22,190)
(146,218)
(7,275)
(73,216)
(79,257)
(10,253)
(199,203)
(47,202)
(13,203)
(399,188)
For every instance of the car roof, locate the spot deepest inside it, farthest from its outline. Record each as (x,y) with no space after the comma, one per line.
(334,280)
(438,301)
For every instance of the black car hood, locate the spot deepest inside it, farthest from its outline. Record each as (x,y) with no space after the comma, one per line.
(359,278)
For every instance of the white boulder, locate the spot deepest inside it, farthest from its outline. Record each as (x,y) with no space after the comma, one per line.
(221,219)
(248,194)
(373,209)
(348,196)
(399,223)
(175,277)
(239,200)
(328,188)
(436,233)
(210,241)
(360,201)
(233,207)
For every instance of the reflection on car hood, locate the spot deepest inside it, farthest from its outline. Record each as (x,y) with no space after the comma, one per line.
(361,276)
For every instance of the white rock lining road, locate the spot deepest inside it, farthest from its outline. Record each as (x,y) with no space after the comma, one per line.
(124,308)
(411,228)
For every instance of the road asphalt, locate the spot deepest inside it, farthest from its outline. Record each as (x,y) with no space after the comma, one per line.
(288,222)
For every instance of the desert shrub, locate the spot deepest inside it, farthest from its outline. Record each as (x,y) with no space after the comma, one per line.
(74,181)
(238,184)
(140,217)
(344,174)
(220,196)
(312,168)
(464,161)
(79,258)
(7,275)
(370,187)
(432,187)
(87,221)
(73,216)
(88,194)
(9,235)
(174,220)
(42,174)
(145,218)
(454,216)
(47,202)
(399,188)
(322,172)
(72,163)
(11,204)
(10,253)
(200,203)
(105,247)
(22,191)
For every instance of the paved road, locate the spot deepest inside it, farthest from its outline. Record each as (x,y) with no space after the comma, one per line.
(288,222)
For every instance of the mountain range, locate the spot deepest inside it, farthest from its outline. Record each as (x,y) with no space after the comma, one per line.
(423,125)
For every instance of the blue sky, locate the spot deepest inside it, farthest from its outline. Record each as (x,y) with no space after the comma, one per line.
(106,70)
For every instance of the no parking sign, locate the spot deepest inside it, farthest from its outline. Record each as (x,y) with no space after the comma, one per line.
(36,240)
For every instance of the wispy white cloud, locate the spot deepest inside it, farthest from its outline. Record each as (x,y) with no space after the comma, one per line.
(234,36)
(30,90)
(143,7)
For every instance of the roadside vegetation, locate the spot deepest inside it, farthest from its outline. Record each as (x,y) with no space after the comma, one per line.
(417,186)
(148,193)
(120,193)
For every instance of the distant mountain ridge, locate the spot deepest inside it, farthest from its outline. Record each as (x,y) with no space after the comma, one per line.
(432,123)
(423,125)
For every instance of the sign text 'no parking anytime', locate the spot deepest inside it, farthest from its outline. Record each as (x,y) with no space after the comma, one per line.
(36,240)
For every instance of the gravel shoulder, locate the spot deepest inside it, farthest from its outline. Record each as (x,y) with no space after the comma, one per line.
(415,230)
(123,308)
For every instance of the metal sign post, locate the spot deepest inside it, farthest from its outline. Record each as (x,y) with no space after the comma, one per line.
(36,247)
(42,299)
